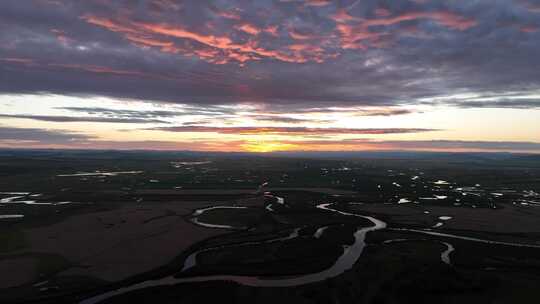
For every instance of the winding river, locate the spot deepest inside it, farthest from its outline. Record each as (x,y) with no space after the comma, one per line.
(344,262)
(198,212)
(347,259)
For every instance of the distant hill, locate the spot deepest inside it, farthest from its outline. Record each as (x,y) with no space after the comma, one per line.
(148,154)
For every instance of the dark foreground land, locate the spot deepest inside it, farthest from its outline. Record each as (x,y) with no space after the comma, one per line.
(119,227)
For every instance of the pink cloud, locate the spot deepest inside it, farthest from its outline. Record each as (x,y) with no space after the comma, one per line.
(298,35)
(272,30)
(210,43)
(445,18)
(229,14)
(218,49)
(318,2)
(529,29)
(248,28)
(357,33)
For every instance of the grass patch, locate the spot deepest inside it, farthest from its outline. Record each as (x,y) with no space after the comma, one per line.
(11,240)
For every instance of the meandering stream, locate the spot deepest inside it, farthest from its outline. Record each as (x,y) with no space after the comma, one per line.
(344,262)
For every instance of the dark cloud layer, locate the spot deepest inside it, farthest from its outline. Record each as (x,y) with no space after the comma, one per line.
(287,54)
(40,136)
(285,119)
(205,110)
(122,112)
(53,118)
(289,130)
(521,103)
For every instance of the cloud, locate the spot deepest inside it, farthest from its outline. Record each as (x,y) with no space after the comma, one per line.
(60,139)
(515,103)
(53,118)
(191,145)
(298,54)
(217,49)
(123,112)
(385,112)
(288,130)
(26,135)
(318,2)
(248,28)
(184,111)
(284,119)
(508,100)
(342,110)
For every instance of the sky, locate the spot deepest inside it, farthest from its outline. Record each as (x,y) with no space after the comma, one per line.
(263,76)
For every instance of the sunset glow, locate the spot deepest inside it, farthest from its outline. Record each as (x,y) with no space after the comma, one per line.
(271,75)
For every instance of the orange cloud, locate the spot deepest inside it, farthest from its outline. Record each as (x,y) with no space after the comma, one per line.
(230,14)
(297,35)
(248,28)
(225,49)
(178,32)
(241,57)
(272,30)
(317,2)
(355,36)
(205,44)
(223,43)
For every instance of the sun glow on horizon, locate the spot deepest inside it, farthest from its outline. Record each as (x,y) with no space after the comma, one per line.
(265,147)
(55,121)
